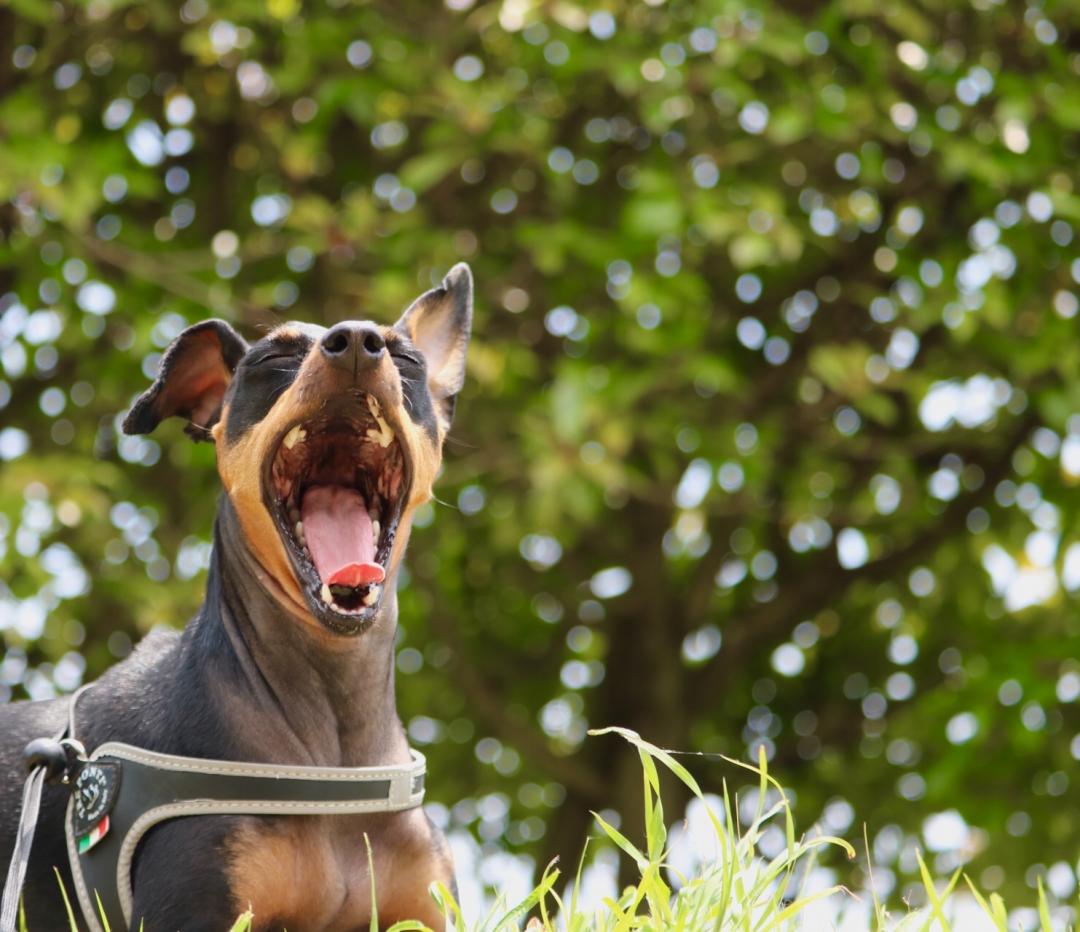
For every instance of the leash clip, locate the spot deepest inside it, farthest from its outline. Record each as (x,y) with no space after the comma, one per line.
(61,760)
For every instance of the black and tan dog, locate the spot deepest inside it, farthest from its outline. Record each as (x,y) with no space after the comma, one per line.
(326,441)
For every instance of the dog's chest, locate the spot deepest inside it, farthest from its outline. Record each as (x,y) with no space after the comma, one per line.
(311,873)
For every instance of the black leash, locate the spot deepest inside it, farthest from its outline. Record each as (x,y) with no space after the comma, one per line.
(48,760)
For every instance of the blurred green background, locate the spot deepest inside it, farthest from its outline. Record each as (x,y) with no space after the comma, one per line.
(771,432)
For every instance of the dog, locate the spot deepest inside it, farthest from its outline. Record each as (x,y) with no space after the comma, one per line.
(326,440)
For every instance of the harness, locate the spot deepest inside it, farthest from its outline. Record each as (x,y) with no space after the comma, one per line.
(119,792)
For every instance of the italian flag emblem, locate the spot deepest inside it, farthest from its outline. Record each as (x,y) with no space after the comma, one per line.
(95,835)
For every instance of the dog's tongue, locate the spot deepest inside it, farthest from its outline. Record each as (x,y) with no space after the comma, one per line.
(339,535)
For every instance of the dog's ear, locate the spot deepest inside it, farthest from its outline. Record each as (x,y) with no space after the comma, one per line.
(438,324)
(195,372)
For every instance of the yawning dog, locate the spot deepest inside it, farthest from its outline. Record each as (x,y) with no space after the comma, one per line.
(327,440)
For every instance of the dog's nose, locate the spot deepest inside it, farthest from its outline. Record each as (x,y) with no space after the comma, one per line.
(353,346)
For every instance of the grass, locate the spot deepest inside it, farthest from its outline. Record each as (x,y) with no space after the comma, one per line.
(741,891)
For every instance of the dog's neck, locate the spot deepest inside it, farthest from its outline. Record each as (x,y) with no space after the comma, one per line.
(298,694)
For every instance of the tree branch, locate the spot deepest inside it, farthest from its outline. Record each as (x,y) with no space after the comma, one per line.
(823,581)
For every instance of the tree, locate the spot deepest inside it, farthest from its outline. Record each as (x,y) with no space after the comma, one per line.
(769,435)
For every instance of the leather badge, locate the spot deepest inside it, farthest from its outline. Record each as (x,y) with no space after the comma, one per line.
(95,790)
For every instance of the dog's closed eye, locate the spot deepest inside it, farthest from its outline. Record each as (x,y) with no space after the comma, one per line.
(267,357)
(406,355)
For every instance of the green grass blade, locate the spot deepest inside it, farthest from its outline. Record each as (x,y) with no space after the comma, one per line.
(1045,925)
(544,917)
(102,916)
(656,752)
(999,918)
(879,910)
(444,899)
(622,841)
(546,883)
(243,922)
(67,906)
(577,880)
(793,909)
(937,900)
(655,827)
(374,926)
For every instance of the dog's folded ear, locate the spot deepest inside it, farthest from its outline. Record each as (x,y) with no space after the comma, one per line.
(194,374)
(438,323)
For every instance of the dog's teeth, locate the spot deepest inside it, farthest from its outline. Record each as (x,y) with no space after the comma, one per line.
(295,436)
(384,436)
(326,596)
(372,595)
(375,529)
(299,531)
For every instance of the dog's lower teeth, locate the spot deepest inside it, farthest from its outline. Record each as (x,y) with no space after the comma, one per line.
(375,529)
(326,595)
(372,595)
(299,531)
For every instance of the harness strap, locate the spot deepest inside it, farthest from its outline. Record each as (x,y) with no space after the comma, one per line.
(158,787)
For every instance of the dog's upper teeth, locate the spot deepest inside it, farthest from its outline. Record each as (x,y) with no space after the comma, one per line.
(372,595)
(299,529)
(375,529)
(295,436)
(384,436)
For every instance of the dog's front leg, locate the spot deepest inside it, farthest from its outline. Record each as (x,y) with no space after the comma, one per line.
(180,877)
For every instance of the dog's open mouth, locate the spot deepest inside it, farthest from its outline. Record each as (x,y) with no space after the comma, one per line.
(337,484)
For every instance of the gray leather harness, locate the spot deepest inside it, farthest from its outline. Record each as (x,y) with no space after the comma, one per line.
(120,792)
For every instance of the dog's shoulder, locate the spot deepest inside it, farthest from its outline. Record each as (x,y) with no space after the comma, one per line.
(125,687)
(21,722)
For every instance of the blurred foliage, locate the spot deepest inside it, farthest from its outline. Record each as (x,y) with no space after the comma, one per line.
(769,435)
